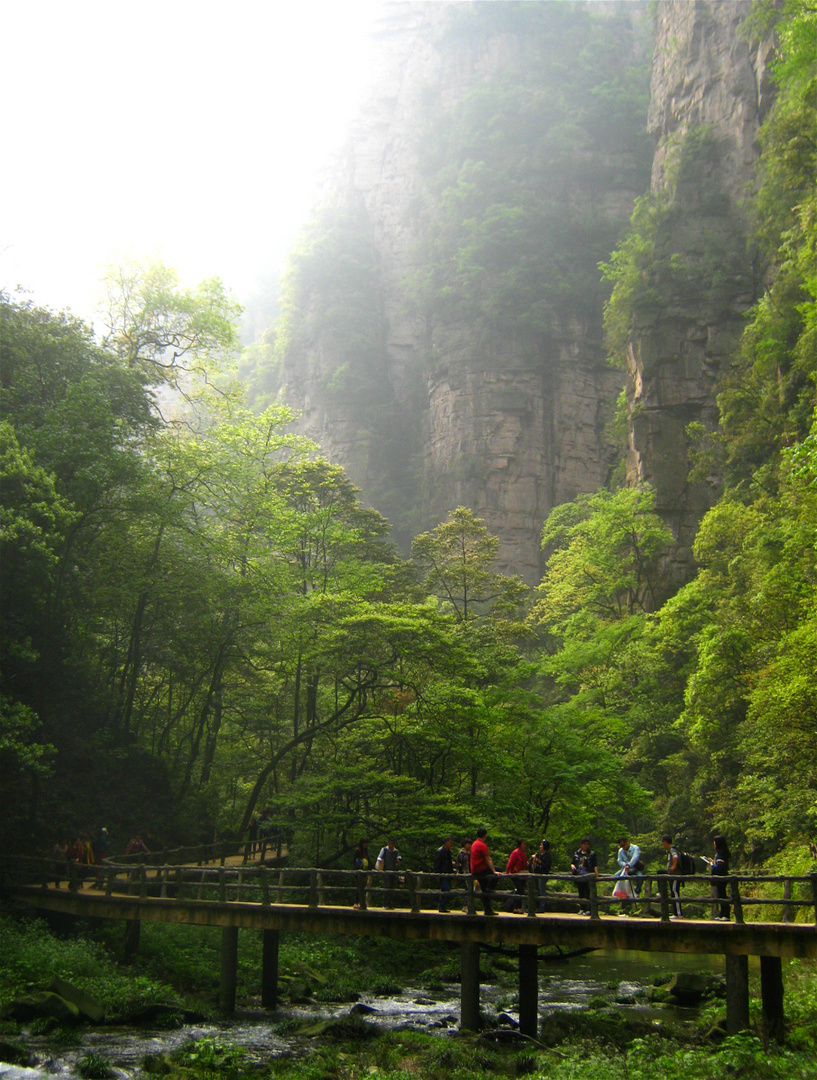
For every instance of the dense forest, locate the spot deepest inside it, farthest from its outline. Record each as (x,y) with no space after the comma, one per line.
(201,619)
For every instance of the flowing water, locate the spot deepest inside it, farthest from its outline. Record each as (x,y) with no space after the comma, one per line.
(574,984)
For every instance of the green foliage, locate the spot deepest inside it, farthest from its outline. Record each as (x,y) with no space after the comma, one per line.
(513,170)
(686,242)
(30,956)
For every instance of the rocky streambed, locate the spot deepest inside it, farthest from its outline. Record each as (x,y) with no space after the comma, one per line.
(616,985)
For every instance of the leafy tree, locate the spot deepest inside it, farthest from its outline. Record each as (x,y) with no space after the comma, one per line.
(164,330)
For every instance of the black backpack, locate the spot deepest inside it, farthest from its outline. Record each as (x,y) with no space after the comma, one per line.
(687,863)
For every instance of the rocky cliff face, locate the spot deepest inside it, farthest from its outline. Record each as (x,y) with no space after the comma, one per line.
(709,94)
(429,394)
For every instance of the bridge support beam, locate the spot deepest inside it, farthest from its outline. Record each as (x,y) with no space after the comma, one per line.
(528,990)
(469,985)
(133,932)
(771,992)
(229,968)
(269,968)
(737,994)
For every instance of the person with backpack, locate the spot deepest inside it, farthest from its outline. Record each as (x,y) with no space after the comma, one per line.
(675,870)
(444,866)
(719,868)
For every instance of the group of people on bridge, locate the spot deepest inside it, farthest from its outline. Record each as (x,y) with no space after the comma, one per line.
(474,860)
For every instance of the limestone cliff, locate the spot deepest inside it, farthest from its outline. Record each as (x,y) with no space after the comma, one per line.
(443,337)
(709,94)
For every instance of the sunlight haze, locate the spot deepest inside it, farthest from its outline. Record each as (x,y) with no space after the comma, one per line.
(190,131)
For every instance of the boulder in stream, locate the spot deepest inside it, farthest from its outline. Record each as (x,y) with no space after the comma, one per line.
(42,1003)
(689,989)
(59,1001)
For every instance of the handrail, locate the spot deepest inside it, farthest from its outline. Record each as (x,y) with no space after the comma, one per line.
(418,891)
(203,854)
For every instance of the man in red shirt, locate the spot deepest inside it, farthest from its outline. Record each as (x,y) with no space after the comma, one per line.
(482,869)
(518,864)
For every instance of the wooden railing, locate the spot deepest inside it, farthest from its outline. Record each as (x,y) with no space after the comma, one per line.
(205,854)
(749,897)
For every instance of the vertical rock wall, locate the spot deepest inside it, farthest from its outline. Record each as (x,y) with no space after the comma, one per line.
(709,84)
(512,424)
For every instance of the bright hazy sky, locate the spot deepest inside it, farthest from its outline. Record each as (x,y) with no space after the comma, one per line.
(189,129)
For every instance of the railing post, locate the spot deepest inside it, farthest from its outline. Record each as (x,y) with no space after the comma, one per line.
(313,888)
(787,908)
(594,896)
(469,895)
(411,883)
(73,882)
(663,896)
(319,888)
(163,889)
(264,877)
(813,877)
(364,892)
(143,882)
(532,890)
(280,893)
(222,886)
(734,888)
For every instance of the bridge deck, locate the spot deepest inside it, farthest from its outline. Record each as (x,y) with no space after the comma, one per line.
(570,931)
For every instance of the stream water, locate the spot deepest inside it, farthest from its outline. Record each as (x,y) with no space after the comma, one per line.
(613,976)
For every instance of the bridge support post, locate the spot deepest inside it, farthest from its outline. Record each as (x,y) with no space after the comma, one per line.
(528,990)
(229,968)
(133,932)
(469,986)
(737,994)
(771,992)
(269,968)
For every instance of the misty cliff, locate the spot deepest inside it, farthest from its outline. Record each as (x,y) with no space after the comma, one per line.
(442,315)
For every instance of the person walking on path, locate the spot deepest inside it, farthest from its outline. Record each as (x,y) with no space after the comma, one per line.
(389,860)
(482,869)
(463,865)
(518,865)
(541,865)
(631,868)
(444,866)
(719,868)
(360,864)
(585,862)
(674,871)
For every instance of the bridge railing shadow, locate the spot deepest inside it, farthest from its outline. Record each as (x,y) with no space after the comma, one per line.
(748,897)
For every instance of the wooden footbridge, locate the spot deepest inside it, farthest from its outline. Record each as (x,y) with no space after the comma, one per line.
(773,917)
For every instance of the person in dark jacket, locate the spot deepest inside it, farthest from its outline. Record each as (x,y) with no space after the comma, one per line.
(541,864)
(585,862)
(719,868)
(444,866)
(360,864)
